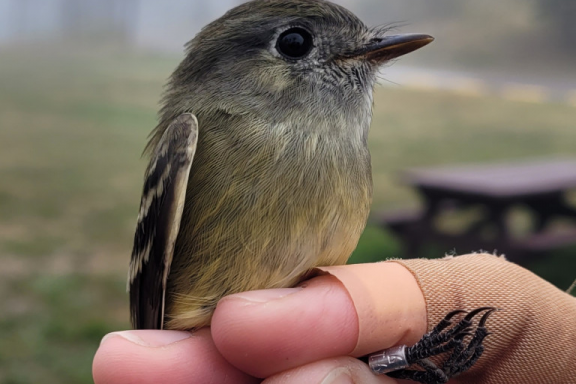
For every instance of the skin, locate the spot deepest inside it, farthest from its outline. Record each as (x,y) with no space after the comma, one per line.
(310,334)
(267,334)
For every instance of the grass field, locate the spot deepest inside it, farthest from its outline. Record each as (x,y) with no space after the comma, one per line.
(72,127)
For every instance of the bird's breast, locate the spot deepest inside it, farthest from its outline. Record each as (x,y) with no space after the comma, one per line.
(262,208)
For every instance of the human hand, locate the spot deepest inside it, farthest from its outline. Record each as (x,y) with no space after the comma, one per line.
(296,335)
(312,333)
(152,356)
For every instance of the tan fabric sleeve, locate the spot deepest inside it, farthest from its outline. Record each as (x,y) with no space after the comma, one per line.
(533,338)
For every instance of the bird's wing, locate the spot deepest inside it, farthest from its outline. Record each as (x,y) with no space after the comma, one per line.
(159,221)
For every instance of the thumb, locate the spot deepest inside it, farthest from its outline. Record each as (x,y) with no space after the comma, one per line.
(150,356)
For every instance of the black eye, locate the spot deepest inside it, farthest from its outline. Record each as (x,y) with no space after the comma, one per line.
(294,43)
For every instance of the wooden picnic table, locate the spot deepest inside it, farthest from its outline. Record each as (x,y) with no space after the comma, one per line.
(494,190)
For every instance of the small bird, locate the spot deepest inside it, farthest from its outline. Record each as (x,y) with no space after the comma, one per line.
(259,167)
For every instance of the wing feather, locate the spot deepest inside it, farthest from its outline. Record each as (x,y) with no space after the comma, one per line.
(159,218)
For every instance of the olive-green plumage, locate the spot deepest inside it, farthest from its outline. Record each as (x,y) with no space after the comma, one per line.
(281,179)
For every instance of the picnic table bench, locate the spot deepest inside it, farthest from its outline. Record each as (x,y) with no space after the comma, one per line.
(494,191)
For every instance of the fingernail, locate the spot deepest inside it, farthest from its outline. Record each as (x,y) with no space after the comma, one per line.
(150,338)
(338,376)
(265,295)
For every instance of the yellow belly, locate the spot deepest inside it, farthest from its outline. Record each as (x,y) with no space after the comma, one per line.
(262,223)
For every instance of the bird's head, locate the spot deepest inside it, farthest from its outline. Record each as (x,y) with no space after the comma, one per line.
(276,58)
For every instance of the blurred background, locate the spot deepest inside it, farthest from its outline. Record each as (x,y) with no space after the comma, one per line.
(80,83)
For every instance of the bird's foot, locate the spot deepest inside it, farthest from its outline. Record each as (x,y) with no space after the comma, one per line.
(463,340)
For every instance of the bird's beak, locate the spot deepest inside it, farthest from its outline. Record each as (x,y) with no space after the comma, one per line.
(390,47)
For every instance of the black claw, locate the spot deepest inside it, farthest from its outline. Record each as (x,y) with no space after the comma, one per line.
(441,340)
(482,321)
(446,321)
(471,315)
(454,313)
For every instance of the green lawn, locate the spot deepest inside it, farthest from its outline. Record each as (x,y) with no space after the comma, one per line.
(72,128)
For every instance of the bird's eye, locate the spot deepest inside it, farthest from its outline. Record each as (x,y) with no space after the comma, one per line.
(295,43)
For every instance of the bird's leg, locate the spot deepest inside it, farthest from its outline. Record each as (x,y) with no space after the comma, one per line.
(447,336)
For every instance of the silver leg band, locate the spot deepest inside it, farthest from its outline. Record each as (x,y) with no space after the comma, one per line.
(388,360)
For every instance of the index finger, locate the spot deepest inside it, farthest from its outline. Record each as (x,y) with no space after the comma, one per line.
(355,310)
